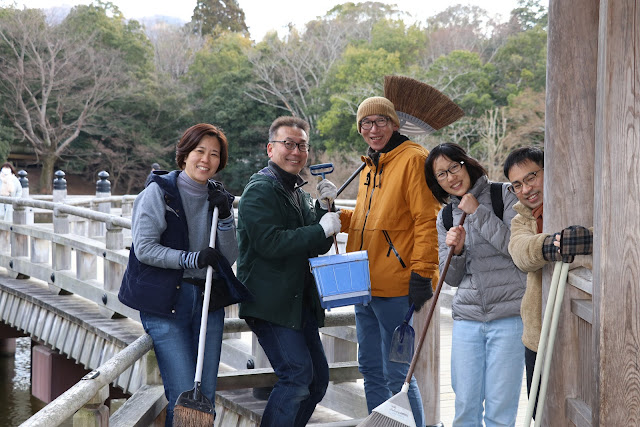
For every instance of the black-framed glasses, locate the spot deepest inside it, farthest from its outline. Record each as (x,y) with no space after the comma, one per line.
(529,179)
(453,169)
(367,124)
(291,145)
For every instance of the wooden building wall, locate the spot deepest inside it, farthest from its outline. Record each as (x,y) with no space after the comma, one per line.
(592,177)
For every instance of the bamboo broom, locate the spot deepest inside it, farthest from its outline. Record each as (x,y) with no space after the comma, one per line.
(422,109)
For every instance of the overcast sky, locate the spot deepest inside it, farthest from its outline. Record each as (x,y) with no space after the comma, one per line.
(264,15)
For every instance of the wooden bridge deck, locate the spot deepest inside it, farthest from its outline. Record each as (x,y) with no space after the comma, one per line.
(252,407)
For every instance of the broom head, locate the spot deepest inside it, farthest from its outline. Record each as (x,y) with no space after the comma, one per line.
(422,109)
(395,412)
(193,409)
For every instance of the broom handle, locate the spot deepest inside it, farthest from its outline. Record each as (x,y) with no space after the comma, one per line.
(348,181)
(434,300)
(205,303)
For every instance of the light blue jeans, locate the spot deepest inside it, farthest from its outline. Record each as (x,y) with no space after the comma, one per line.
(375,324)
(487,362)
(175,341)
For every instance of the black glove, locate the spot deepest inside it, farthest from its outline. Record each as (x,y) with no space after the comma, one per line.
(218,197)
(209,256)
(576,240)
(419,290)
(551,252)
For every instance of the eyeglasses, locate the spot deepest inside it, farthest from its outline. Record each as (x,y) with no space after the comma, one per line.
(291,145)
(528,179)
(368,124)
(453,169)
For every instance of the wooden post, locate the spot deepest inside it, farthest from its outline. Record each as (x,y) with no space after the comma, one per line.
(427,371)
(617,223)
(568,188)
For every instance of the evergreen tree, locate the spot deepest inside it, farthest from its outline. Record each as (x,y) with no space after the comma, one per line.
(217,16)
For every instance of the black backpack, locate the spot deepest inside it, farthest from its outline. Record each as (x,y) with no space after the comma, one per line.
(496,203)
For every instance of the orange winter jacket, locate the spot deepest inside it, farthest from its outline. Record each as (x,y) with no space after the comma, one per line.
(395,210)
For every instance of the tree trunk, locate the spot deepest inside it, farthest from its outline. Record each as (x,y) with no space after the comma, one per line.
(45,186)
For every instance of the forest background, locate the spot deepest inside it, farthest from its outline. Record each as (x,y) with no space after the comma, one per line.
(95,91)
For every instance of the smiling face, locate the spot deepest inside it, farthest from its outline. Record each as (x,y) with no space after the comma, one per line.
(203,161)
(457,184)
(291,161)
(531,195)
(377,137)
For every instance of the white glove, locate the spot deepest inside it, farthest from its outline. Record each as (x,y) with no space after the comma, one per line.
(330,222)
(327,193)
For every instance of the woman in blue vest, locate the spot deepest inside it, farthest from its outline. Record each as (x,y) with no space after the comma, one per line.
(487,358)
(170,252)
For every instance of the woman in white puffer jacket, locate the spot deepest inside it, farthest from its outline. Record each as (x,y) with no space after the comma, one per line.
(9,187)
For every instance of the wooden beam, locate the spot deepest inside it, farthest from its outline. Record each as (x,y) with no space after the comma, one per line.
(265,377)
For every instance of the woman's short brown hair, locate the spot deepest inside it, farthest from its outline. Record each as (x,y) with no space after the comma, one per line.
(192,137)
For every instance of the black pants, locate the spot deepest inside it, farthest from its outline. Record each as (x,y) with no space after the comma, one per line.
(530,363)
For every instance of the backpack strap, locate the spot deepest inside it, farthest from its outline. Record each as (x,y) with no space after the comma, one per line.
(447,216)
(496,199)
(496,203)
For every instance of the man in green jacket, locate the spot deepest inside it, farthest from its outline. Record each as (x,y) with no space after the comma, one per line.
(279,228)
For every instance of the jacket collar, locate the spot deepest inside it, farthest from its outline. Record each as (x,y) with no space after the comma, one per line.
(523,210)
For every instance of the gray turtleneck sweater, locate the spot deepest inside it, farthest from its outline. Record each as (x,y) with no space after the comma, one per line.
(148,223)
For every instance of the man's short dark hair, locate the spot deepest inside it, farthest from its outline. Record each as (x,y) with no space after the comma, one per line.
(289,121)
(522,155)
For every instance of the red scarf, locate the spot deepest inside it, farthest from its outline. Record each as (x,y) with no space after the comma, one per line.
(537,214)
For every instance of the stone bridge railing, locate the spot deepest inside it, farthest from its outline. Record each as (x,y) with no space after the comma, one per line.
(80,245)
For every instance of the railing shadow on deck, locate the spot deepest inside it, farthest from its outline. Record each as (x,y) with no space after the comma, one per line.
(41,242)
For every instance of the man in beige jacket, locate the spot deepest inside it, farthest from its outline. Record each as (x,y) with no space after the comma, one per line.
(530,248)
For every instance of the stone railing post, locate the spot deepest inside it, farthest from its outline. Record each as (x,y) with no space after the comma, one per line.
(59,187)
(24,182)
(19,242)
(61,257)
(103,190)
(94,413)
(113,271)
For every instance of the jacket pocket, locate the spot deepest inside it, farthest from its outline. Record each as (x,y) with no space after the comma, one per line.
(393,249)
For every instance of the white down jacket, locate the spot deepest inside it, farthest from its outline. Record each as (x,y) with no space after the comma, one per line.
(489,284)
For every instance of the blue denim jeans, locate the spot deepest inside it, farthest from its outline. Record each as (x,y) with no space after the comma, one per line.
(175,342)
(487,362)
(375,324)
(298,359)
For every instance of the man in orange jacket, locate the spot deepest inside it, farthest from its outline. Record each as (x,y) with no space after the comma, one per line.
(395,221)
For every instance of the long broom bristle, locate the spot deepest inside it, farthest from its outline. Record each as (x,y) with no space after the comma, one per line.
(395,412)
(376,419)
(422,101)
(189,417)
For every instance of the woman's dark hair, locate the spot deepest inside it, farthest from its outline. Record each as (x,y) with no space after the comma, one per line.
(457,154)
(10,166)
(522,155)
(192,137)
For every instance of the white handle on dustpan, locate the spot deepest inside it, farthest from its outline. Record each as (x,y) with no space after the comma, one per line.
(205,303)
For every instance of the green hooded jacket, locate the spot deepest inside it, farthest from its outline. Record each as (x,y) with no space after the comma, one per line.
(275,239)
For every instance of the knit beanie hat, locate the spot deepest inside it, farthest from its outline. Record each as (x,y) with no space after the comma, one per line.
(377,105)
